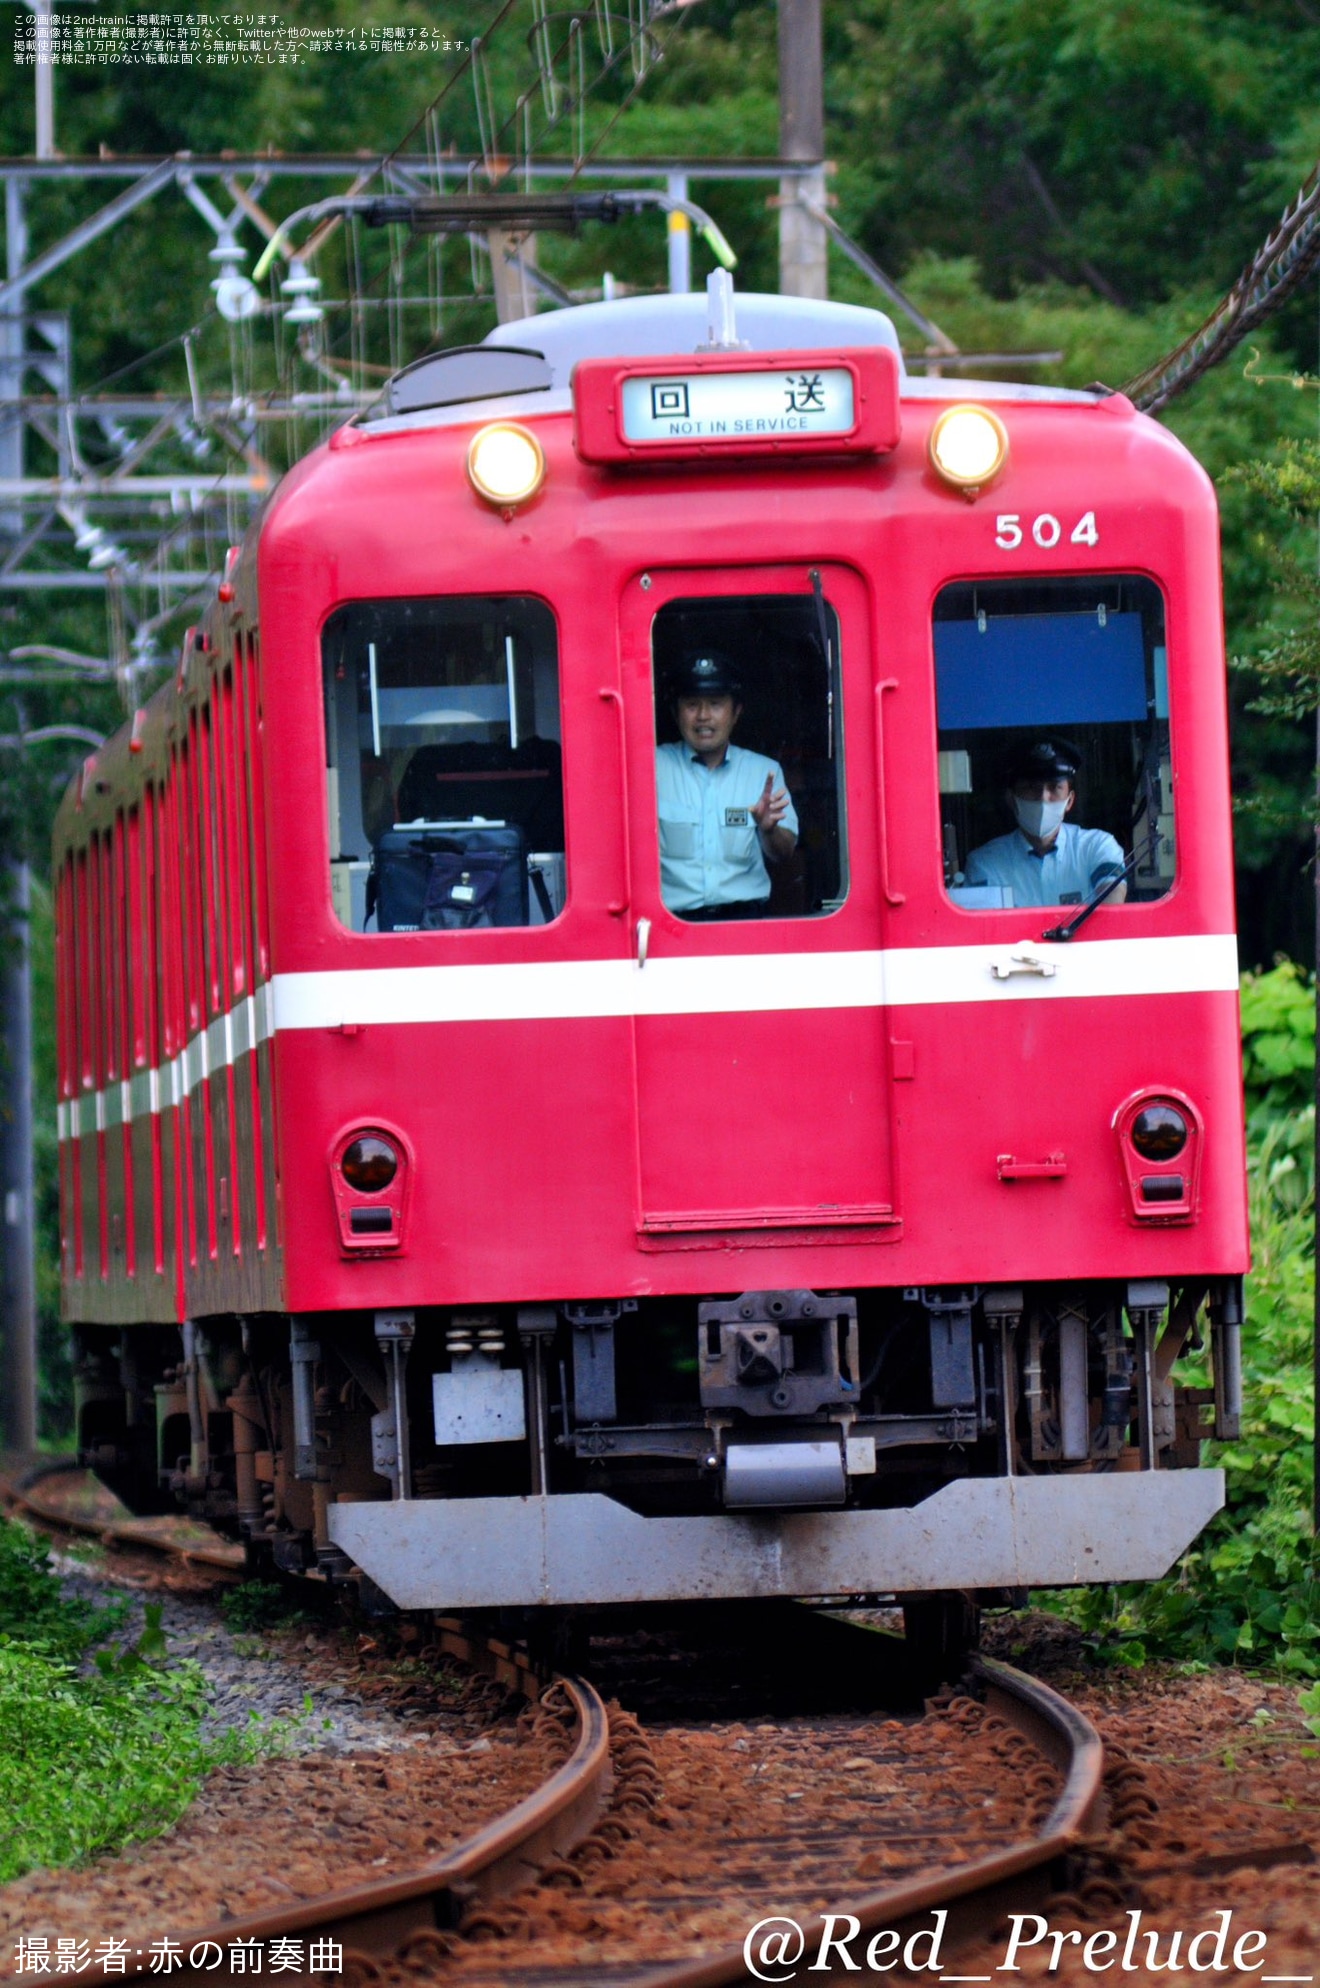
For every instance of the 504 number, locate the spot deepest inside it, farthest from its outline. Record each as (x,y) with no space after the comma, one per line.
(1045,531)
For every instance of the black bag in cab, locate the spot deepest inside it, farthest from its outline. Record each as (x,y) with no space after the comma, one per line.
(440,876)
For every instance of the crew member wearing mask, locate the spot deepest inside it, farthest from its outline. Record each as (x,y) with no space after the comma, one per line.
(1046,859)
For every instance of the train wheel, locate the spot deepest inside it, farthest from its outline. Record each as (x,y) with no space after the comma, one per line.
(129,1470)
(941,1630)
(558,1638)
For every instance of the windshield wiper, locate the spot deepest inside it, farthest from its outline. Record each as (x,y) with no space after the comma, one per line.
(823,637)
(1061,934)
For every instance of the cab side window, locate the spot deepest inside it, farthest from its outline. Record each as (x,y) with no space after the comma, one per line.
(443,768)
(1055,766)
(749,757)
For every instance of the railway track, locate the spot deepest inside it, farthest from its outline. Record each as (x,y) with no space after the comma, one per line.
(651,1860)
(355,1927)
(933,1834)
(33,1491)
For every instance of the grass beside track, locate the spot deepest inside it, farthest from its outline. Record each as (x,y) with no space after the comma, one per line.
(1248,1592)
(102,1743)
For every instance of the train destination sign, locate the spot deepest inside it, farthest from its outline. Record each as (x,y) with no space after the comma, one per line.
(734,407)
(843,401)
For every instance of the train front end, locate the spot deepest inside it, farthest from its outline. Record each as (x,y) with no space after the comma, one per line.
(676,1203)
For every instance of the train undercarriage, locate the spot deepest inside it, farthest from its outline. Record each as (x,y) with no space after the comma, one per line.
(769,1442)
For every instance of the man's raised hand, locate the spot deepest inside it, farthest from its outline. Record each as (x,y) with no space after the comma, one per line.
(770,810)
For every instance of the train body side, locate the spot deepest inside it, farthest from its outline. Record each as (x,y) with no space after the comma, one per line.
(168,1185)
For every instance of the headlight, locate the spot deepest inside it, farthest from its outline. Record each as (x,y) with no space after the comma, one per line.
(506,464)
(370,1164)
(1159,1132)
(968,446)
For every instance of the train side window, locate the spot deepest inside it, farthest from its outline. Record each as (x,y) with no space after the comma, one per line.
(443,764)
(771,663)
(1055,766)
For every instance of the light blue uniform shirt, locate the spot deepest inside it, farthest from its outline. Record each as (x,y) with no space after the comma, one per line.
(1075,864)
(710,851)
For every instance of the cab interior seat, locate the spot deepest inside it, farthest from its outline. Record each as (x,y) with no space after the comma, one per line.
(521,784)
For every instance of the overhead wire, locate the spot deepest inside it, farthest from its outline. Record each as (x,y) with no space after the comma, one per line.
(560,99)
(1282,263)
(494,134)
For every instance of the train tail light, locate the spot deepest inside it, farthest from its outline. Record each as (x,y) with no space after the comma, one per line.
(968,447)
(1159,1145)
(1159,1131)
(370,1163)
(371,1179)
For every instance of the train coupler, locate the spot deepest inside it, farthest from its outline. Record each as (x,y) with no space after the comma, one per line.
(777,1353)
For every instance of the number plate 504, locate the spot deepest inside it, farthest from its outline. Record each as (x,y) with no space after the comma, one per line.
(1045,531)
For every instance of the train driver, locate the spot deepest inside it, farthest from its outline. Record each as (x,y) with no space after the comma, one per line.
(724,812)
(1046,859)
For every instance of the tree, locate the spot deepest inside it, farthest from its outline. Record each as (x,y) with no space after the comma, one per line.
(1287,667)
(1288,660)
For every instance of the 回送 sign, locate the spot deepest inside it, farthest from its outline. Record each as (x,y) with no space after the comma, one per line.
(710,404)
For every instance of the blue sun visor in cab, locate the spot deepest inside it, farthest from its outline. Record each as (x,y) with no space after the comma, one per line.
(1040,669)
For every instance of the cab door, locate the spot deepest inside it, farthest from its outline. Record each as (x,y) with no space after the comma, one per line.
(761,1050)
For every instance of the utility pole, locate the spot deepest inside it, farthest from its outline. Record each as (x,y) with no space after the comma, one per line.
(44,71)
(18,1293)
(803,268)
(18,1398)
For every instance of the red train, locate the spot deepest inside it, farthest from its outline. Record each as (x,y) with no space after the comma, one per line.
(528,1145)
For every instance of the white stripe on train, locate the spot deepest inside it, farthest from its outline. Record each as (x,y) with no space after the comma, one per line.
(745,983)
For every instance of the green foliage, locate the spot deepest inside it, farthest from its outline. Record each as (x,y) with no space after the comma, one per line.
(1074,138)
(91,1763)
(1249,1591)
(1278,1066)
(1286,655)
(91,1760)
(1309,1701)
(1273,498)
(1278,1042)
(33,1609)
(257,1605)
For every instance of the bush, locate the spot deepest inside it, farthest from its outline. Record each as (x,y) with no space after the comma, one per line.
(1278,1069)
(92,1758)
(1249,1591)
(257,1605)
(32,1609)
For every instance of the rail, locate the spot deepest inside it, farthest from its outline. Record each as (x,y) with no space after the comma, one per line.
(160,1536)
(371,1921)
